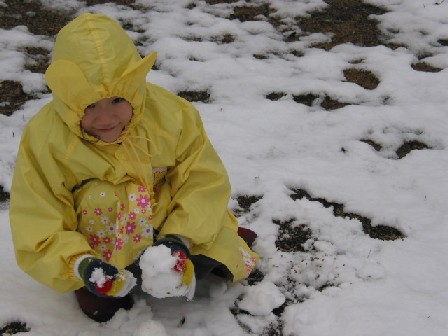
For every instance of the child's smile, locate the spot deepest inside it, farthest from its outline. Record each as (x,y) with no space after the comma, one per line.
(107,118)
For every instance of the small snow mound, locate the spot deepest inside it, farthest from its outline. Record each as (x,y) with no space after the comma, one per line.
(158,277)
(262,299)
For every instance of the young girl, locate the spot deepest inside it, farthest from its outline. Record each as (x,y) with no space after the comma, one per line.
(114,166)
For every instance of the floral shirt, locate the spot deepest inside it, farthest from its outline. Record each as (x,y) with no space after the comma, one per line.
(116,220)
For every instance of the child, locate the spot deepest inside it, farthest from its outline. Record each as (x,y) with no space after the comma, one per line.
(112,167)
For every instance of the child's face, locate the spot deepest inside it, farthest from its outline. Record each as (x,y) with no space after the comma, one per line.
(107,118)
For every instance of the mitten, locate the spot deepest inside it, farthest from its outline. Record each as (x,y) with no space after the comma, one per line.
(184,264)
(103,279)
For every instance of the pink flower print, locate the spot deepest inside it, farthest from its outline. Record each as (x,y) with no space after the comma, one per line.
(85,212)
(107,240)
(110,209)
(147,231)
(143,201)
(119,216)
(118,243)
(137,238)
(132,216)
(150,217)
(107,255)
(94,240)
(141,189)
(98,211)
(122,207)
(130,227)
(121,230)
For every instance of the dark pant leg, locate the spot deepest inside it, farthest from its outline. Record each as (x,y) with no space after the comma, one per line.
(204,265)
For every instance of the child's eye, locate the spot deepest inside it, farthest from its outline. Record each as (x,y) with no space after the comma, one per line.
(117,100)
(90,106)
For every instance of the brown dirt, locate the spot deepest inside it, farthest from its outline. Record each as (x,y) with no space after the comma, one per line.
(382,232)
(13,96)
(348,21)
(14,328)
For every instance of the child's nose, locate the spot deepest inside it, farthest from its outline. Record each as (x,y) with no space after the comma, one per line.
(103,116)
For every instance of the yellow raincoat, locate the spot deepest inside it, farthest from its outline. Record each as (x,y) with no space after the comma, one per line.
(73,194)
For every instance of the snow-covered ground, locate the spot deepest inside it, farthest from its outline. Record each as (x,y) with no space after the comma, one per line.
(342,282)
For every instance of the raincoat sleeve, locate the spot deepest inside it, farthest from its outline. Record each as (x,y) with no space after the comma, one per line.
(200,187)
(42,216)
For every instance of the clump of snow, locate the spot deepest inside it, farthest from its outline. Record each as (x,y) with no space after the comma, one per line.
(262,299)
(98,277)
(158,277)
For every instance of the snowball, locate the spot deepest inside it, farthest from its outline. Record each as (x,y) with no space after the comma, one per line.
(158,277)
(262,299)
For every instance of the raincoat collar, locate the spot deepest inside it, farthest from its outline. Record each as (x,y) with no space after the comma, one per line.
(94,58)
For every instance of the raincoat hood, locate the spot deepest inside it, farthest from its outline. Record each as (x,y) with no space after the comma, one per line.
(94,58)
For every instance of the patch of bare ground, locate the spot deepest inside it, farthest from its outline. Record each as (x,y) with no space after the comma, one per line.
(364,78)
(325,101)
(245,204)
(38,59)
(425,67)
(373,144)
(4,196)
(348,21)
(117,2)
(291,236)
(251,13)
(274,96)
(13,328)
(382,232)
(217,2)
(409,146)
(405,148)
(37,18)
(195,96)
(12,97)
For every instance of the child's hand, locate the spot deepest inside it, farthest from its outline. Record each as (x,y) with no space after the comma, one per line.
(180,251)
(105,280)
(167,270)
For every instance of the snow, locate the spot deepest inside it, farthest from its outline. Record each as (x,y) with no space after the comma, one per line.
(98,277)
(159,279)
(262,299)
(343,282)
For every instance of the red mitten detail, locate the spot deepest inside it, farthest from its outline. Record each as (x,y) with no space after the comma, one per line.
(181,261)
(105,288)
